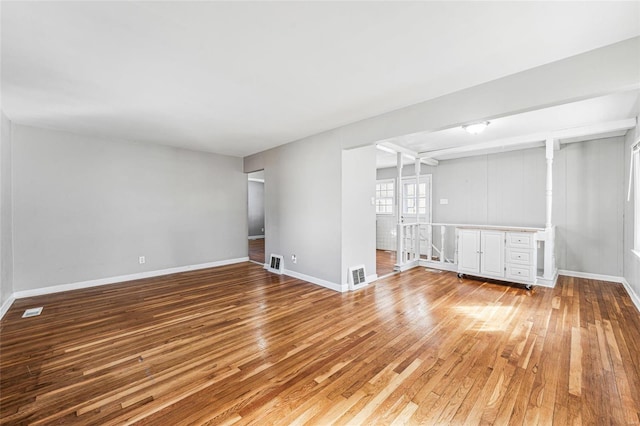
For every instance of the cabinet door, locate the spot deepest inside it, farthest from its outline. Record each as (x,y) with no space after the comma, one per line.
(492,253)
(469,251)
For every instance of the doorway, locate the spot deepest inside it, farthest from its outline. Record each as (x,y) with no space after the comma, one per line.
(255,219)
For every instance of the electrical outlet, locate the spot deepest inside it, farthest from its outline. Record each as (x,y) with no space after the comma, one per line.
(262,229)
(294,259)
(141,260)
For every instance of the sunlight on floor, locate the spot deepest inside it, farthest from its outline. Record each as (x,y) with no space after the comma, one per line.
(487,318)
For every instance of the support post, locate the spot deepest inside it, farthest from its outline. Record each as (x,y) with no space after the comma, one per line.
(549,192)
(399,229)
(416,169)
(549,242)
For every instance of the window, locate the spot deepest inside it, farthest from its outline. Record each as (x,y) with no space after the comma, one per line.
(385,190)
(417,198)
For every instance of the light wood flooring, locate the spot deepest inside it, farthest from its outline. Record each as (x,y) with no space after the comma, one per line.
(236,344)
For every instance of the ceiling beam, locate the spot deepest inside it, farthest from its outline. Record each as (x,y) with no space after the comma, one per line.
(526,140)
(392,147)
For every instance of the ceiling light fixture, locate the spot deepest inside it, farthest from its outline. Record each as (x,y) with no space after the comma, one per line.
(476,128)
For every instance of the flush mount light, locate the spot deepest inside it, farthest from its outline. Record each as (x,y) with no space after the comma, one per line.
(476,128)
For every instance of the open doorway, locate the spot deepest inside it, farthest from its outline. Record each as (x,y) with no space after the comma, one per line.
(255,218)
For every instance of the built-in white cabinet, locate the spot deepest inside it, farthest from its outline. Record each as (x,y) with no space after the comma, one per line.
(504,255)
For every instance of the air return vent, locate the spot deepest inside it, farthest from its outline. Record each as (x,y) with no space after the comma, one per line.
(357,277)
(276,264)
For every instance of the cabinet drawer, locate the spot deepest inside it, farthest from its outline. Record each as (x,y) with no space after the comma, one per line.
(520,240)
(520,256)
(520,273)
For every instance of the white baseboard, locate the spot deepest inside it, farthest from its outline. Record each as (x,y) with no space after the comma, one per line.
(542,282)
(372,278)
(632,294)
(122,278)
(255,237)
(6,305)
(451,267)
(324,283)
(590,276)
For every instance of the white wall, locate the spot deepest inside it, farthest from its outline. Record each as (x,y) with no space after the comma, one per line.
(6,232)
(631,261)
(358,213)
(85,208)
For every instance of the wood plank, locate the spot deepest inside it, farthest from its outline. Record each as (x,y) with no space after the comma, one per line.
(238,345)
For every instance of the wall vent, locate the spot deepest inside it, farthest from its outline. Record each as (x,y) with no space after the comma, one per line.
(33,312)
(357,277)
(276,264)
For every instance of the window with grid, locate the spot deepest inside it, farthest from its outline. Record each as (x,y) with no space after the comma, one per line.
(385,190)
(416,199)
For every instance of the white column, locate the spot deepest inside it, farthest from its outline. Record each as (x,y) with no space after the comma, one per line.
(549,156)
(549,242)
(399,229)
(417,166)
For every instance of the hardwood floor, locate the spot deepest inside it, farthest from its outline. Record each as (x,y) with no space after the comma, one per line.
(237,344)
(385,260)
(256,250)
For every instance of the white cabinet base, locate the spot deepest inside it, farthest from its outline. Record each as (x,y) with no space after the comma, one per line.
(501,255)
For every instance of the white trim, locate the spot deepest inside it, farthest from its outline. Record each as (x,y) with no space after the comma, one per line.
(443,266)
(256,180)
(543,282)
(590,276)
(632,294)
(122,278)
(313,280)
(6,305)
(406,266)
(255,237)
(371,278)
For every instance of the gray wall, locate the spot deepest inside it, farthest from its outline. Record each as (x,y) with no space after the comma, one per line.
(85,208)
(631,261)
(358,213)
(303,206)
(588,206)
(256,208)
(6,232)
(498,189)
(509,189)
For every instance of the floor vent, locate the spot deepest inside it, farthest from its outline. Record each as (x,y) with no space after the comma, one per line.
(33,312)
(276,264)
(357,277)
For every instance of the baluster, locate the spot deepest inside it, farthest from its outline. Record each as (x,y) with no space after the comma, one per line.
(443,230)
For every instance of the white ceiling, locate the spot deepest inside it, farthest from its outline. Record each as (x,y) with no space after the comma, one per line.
(238,78)
(530,128)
